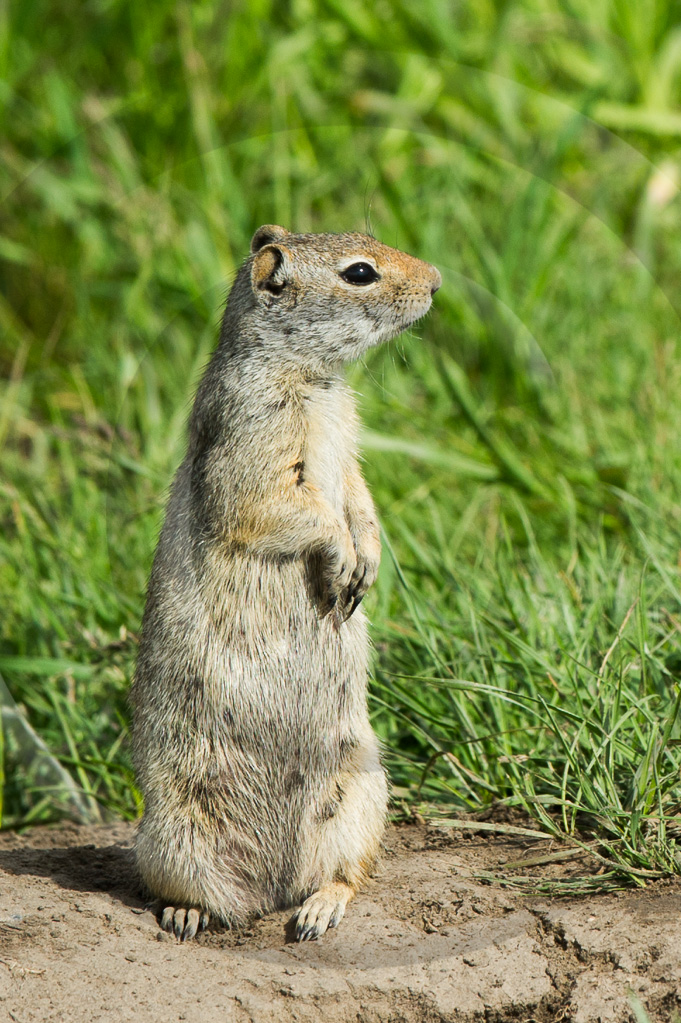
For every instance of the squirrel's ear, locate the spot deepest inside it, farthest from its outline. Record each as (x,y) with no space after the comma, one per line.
(268,273)
(266,234)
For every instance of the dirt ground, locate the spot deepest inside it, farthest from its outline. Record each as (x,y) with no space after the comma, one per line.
(426,942)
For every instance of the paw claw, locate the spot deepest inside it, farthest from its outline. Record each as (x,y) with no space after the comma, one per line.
(353,607)
(353,595)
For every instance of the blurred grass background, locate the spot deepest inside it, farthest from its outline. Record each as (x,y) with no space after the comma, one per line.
(523,444)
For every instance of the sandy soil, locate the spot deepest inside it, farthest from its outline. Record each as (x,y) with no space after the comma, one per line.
(426,942)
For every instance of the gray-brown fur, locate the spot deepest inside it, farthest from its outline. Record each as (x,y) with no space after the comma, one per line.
(261,775)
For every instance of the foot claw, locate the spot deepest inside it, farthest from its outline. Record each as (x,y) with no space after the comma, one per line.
(336,917)
(322,910)
(180,917)
(184,923)
(192,925)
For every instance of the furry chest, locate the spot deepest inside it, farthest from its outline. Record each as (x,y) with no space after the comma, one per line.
(329,438)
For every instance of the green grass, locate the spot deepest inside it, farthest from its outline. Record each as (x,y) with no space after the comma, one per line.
(523,444)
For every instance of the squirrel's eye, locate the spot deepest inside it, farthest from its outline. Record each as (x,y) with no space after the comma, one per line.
(360,273)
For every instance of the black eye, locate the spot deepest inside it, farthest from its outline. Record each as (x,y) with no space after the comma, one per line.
(360,273)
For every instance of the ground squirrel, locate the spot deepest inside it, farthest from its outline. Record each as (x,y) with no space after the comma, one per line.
(261,775)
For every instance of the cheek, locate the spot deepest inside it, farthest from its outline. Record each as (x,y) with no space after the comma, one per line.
(373,316)
(332,311)
(347,318)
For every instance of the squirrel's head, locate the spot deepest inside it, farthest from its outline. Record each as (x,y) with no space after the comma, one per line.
(329,297)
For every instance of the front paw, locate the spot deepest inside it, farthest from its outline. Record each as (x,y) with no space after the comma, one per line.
(363,578)
(340,566)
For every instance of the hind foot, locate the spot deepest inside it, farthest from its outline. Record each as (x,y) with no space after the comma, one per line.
(184,923)
(322,910)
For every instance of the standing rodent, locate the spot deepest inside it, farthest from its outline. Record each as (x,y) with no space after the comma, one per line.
(260,772)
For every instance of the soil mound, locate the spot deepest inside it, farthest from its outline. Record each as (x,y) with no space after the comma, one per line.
(426,942)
